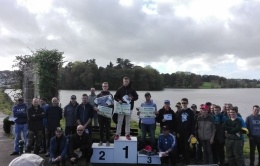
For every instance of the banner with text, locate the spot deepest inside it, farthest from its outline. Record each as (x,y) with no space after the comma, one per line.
(147,112)
(123,108)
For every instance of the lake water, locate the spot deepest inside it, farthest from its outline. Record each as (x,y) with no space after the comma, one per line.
(244,99)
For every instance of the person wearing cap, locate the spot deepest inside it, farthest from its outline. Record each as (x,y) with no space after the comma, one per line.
(233,142)
(167,146)
(80,146)
(70,115)
(104,122)
(35,115)
(20,126)
(58,148)
(253,124)
(85,113)
(125,91)
(166,116)
(53,116)
(148,124)
(185,129)
(218,147)
(91,99)
(205,130)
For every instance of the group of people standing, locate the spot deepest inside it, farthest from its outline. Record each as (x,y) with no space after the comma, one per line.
(208,130)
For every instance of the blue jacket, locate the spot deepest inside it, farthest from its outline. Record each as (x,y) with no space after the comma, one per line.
(70,114)
(166,142)
(19,112)
(62,151)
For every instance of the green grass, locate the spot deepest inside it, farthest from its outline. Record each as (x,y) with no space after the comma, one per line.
(5,103)
(209,85)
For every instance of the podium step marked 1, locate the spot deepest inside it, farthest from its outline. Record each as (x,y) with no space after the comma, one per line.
(122,151)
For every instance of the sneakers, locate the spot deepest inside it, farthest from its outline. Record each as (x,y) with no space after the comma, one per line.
(100,143)
(116,137)
(14,153)
(107,143)
(128,137)
(47,154)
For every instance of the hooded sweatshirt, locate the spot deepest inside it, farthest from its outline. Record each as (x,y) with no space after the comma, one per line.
(19,111)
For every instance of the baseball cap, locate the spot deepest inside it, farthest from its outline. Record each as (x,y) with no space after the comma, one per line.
(73,97)
(167,102)
(204,107)
(165,128)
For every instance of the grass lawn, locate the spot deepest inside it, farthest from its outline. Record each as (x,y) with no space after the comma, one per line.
(209,85)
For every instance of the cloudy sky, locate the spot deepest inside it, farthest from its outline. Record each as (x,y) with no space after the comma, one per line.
(214,37)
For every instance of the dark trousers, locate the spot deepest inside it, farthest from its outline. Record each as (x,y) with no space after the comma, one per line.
(218,150)
(207,152)
(49,135)
(234,152)
(44,140)
(185,148)
(70,130)
(104,123)
(85,156)
(170,159)
(34,138)
(254,142)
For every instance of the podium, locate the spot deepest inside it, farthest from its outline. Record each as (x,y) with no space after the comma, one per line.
(144,159)
(122,151)
(102,154)
(125,151)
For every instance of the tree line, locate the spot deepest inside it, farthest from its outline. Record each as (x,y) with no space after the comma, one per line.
(81,75)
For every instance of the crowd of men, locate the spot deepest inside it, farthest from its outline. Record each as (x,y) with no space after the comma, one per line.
(207,135)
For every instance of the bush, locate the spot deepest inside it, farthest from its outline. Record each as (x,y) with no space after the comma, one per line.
(7,125)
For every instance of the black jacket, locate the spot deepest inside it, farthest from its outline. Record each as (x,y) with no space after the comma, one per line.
(185,123)
(83,142)
(126,90)
(53,116)
(35,118)
(170,123)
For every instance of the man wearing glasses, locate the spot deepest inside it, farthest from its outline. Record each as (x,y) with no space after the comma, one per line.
(185,129)
(19,112)
(80,147)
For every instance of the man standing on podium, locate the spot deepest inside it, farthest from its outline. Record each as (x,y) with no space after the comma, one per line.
(125,92)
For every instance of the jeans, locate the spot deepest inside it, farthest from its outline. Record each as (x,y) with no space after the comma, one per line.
(254,142)
(127,124)
(151,129)
(18,129)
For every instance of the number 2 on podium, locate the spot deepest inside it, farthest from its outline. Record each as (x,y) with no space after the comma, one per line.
(126,151)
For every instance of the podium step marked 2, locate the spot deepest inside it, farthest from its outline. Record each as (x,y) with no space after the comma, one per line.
(122,151)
